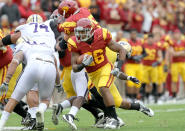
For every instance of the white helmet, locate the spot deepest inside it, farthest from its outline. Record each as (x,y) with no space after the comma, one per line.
(35,18)
(127,47)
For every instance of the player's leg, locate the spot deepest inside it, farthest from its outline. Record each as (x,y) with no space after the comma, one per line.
(182,73)
(146,81)
(71,95)
(130,70)
(119,102)
(25,83)
(175,70)
(19,107)
(33,101)
(46,85)
(154,79)
(79,82)
(96,101)
(102,79)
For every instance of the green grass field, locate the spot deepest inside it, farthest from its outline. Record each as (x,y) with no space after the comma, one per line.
(167,118)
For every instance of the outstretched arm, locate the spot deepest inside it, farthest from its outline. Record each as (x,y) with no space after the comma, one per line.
(17,59)
(10,39)
(76,67)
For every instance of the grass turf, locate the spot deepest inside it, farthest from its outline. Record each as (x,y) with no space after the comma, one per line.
(167,118)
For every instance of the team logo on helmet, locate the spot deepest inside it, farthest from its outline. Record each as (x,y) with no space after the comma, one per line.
(35,18)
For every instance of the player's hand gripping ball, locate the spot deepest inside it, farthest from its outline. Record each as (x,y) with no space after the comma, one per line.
(85,59)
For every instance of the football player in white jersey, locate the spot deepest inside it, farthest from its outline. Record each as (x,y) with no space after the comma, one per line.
(39,51)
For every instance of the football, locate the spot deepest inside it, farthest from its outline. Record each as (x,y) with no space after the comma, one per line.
(126,46)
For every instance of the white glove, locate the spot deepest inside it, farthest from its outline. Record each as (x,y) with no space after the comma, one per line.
(59,88)
(87,60)
(115,72)
(3,89)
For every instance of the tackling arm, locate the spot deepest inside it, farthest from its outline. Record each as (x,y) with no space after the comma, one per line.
(76,67)
(114,46)
(17,59)
(10,39)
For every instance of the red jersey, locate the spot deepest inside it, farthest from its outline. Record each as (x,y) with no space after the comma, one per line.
(137,49)
(5,56)
(178,46)
(70,23)
(68,27)
(151,51)
(97,48)
(66,60)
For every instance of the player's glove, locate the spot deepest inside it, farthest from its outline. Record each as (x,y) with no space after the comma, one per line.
(154,64)
(115,72)
(3,88)
(87,60)
(133,79)
(59,88)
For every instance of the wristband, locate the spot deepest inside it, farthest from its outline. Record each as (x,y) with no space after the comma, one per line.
(7,40)
(63,44)
(128,77)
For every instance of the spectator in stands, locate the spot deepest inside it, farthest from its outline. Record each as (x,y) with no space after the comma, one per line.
(95,10)
(114,16)
(137,18)
(24,9)
(147,23)
(11,10)
(39,11)
(5,25)
(55,4)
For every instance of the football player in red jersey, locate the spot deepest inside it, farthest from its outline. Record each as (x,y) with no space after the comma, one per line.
(92,43)
(178,61)
(133,65)
(150,63)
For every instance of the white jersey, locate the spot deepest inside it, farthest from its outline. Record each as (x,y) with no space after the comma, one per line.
(38,34)
(32,52)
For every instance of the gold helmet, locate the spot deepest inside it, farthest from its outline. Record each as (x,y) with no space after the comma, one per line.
(127,47)
(35,18)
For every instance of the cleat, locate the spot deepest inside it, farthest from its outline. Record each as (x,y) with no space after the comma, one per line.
(57,109)
(27,120)
(39,121)
(121,122)
(32,125)
(111,123)
(147,111)
(100,121)
(69,119)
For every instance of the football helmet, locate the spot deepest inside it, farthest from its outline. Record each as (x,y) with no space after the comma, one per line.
(35,18)
(127,47)
(84,30)
(67,8)
(55,14)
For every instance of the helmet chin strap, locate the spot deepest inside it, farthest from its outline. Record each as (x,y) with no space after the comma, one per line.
(78,10)
(64,12)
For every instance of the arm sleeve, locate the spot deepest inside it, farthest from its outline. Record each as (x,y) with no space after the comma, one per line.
(53,25)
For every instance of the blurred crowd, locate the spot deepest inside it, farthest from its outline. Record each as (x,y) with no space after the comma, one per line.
(131,19)
(116,15)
